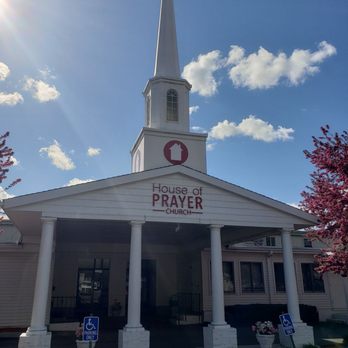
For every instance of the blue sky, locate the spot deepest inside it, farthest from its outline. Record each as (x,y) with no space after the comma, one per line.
(72,74)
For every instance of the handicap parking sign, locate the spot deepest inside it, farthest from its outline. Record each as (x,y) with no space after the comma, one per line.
(287,324)
(90,328)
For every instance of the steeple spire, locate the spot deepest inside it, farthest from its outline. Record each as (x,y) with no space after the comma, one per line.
(166,138)
(167,59)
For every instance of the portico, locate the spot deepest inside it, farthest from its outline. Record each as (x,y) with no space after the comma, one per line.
(119,213)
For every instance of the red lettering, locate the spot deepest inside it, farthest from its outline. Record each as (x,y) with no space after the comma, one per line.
(165,200)
(190,202)
(155,198)
(173,202)
(182,200)
(199,201)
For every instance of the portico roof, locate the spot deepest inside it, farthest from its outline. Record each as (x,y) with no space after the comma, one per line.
(130,197)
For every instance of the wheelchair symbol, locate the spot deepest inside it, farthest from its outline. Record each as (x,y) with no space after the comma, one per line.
(286,322)
(89,325)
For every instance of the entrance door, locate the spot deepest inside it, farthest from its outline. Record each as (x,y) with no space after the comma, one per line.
(92,290)
(148,287)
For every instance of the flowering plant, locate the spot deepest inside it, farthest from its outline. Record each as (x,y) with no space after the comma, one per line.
(79,332)
(264,328)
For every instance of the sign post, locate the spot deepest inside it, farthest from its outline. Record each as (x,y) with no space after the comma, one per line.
(288,326)
(90,329)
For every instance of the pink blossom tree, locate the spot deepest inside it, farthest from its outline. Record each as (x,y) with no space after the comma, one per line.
(327,198)
(6,161)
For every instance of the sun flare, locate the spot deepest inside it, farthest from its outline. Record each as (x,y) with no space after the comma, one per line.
(3,7)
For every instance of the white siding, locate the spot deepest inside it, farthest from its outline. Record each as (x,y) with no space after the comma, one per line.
(321,300)
(17,274)
(134,201)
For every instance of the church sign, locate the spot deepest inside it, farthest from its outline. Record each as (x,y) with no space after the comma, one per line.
(177,200)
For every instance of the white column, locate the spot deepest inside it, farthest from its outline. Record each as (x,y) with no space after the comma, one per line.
(134,283)
(37,335)
(217,288)
(133,334)
(303,333)
(290,277)
(38,315)
(218,334)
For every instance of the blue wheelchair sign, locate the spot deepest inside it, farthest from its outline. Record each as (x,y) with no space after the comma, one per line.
(90,328)
(287,324)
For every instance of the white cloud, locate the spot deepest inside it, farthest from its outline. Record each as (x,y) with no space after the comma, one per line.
(46,73)
(4,71)
(252,127)
(200,73)
(92,151)
(198,129)
(40,90)
(263,69)
(14,160)
(10,99)
(77,181)
(194,109)
(211,146)
(4,194)
(58,157)
(295,205)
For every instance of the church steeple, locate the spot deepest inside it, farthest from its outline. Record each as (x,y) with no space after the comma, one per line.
(167,58)
(166,138)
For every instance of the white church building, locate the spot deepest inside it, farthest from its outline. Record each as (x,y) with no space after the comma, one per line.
(132,244)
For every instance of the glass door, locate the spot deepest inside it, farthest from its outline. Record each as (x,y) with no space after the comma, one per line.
(93,290)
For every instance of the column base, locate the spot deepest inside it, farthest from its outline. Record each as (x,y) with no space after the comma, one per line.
(303,335)
(40,339)
(220,336)
(133,338)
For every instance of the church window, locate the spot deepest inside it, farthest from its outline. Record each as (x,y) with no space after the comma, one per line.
(172,105)
(279,276)
(228,276)
(252,277)
(148,110)
(312,281)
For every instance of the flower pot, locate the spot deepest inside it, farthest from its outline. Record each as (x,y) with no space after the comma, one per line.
(84,344)
(265,341)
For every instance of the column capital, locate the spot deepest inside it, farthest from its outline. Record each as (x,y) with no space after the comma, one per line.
(287,230)
(216,226)
(137,222)
(48,219)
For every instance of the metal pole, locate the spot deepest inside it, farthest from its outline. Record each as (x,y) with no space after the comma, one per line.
(292,341)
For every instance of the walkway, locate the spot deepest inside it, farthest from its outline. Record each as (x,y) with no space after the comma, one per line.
(326,335)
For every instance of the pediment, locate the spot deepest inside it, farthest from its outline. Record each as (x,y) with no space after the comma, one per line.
(171,194)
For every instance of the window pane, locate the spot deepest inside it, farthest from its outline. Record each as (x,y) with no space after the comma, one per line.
(172,105)
(246,276)
(312,281)
(279,277)
(252,277)
(148,110)
(270,241)
(307,243)
(228,274)
(257,277)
